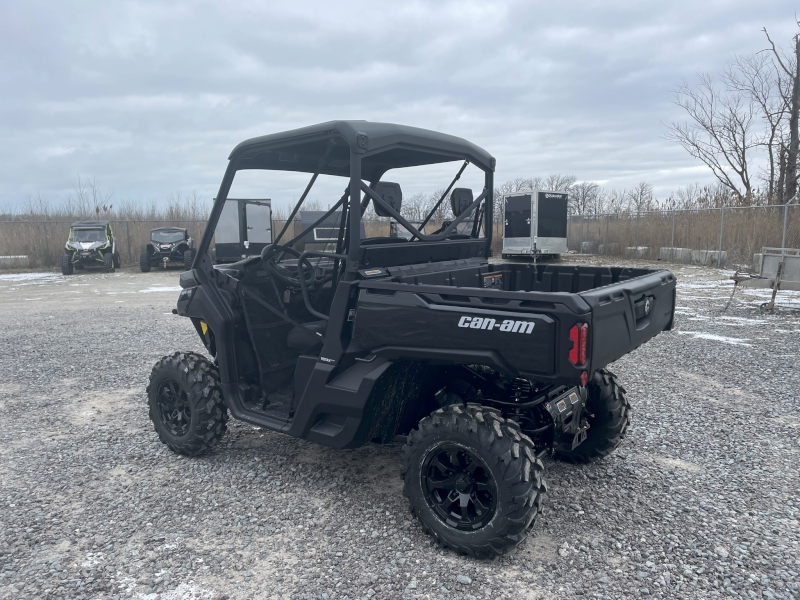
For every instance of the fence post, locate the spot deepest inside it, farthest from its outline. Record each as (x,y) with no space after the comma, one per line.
(608,217)
(636,238)
(672,239)
(785,219)
(128,235)
(721,232)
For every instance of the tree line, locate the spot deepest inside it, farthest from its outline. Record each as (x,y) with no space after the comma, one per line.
(743,123)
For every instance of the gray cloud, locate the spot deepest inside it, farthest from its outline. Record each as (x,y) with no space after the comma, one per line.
(150,97)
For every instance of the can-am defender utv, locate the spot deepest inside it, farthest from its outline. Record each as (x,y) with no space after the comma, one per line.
(90,244)
(481,367)
(167,246)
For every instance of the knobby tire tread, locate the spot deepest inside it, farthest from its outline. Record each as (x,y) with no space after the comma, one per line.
(507,451)
(204,389)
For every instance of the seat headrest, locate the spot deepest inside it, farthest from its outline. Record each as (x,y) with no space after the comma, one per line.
(460,199)
(391,194)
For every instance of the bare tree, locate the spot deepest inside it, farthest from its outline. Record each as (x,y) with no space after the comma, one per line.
(789,67)
(618,201)
(755,77)
(688,196)
(415,207)
(583,197)
(641,197)
(719,132)
(558,183)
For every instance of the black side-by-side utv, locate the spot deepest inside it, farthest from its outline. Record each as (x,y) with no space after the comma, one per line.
(481,367)
(167,246)
(90,244)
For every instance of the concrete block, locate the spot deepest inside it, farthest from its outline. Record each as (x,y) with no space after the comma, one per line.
(757,258)
(637,251)
(610,249)
(708,257)
(675,254)
(14,261)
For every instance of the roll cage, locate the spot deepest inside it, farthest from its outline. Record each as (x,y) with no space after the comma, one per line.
(363,152)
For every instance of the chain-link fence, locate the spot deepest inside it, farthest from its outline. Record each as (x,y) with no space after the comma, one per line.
(718,237)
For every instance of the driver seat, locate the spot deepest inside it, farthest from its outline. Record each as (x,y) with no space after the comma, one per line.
(306,336)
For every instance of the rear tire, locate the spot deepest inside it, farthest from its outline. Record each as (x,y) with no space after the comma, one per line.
(66,265)
(186,405)
(473,480)
(108,263)
(608,412)
(144,261)
(117,261)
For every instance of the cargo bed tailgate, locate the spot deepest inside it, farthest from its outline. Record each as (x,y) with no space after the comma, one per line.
(628,313)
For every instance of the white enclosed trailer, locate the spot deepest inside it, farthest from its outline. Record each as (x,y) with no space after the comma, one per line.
(535,223)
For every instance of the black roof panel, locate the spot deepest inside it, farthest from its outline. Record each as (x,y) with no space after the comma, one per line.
(383,146)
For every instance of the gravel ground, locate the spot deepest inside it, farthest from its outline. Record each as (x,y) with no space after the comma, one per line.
(701,501)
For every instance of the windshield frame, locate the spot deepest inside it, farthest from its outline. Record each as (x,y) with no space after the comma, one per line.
(74,238)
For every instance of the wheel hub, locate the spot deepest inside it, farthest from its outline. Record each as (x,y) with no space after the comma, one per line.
(463,482)
(459,487)
(173,408)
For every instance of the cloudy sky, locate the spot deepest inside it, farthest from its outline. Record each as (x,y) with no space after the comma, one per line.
(150,97)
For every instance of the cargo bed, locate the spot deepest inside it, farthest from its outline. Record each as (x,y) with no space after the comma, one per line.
(459,308)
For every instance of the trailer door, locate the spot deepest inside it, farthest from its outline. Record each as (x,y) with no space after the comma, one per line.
(258,219)
(551,222)
(517,224)
(227,240)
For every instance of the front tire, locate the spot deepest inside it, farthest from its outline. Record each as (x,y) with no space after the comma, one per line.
(66,265)
(186,404)
(473,480)
(144,261)
(608,412)
(188,259)
(108,263)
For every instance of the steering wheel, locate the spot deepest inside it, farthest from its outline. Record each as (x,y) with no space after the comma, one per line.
(272,254)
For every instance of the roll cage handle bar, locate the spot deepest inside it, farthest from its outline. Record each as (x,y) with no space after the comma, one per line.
(414,231)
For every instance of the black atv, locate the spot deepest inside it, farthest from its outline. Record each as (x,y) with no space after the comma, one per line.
(481,367)
(167,246)
(90,244)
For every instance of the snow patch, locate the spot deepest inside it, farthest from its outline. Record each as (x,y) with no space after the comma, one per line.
(160,288)
(716,338)
(32,278)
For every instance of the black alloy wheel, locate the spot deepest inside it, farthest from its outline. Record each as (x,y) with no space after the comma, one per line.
(459,487)
(185,403)
(173,408)
(472,479)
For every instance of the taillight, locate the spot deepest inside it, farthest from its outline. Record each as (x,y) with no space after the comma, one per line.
(579,335)
(583,343)
(573,353)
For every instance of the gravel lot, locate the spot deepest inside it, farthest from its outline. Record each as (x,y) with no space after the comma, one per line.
(701,501)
